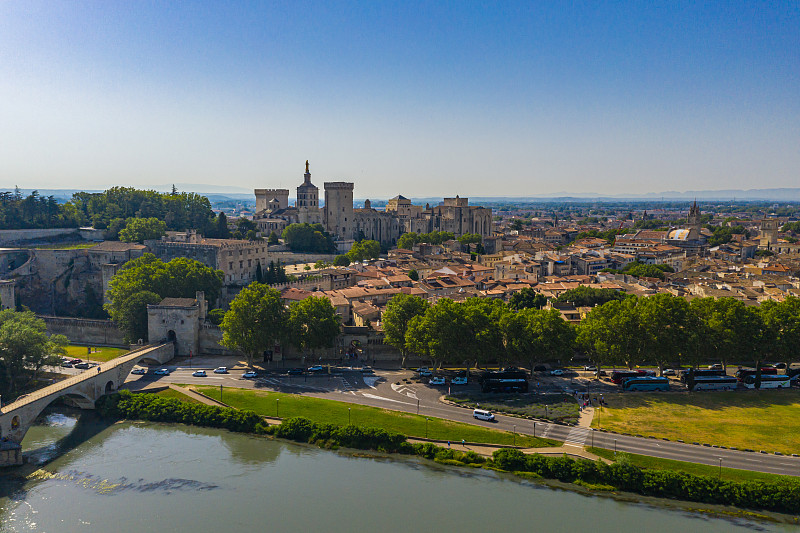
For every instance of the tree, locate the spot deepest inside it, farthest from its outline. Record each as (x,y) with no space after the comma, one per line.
(399,312)
(364,250)
(221,230)
(313,324)
(407,241)
(413,275)
(141,229)
(255,320)
(272,239)
(179,278)
(516,224)
(644,271)
(535,335)
(527,298)
(583,296)
(132,315)
(25,349)
(732,329)
(308,238)
(612,334)
(666,325)
(341,260)
(470,238)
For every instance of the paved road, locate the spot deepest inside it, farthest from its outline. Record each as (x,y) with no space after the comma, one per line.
(392,392)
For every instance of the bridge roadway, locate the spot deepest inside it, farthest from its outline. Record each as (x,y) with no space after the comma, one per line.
(352,388)
(82,389)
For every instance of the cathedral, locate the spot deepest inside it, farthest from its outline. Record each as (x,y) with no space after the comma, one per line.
(347,224)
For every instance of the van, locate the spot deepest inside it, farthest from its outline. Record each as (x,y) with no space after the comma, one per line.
(481,414)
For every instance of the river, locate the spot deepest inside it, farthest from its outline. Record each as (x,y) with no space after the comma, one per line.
(135,477)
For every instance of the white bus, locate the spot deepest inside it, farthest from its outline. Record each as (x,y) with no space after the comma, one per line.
(769,382)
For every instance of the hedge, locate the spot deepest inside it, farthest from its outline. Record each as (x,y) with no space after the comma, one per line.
(779,496)
(124,404)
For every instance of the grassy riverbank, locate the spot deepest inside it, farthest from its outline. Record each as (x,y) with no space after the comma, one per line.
(655,463)
(341,413)
(556,407)
(758,420)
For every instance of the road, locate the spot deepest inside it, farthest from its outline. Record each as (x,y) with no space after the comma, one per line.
(395,391)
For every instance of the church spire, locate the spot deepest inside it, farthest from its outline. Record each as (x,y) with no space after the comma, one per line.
(307,172)
(307,175)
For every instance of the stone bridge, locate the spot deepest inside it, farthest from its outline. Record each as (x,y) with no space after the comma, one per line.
(82,390)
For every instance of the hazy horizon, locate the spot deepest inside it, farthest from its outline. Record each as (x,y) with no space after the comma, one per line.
(420,99)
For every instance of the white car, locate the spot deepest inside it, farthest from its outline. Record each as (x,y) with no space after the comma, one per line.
(557,372)
(590,368)
(668,372)
(249,375)
(199,373)
(162,372)
(424,372)
(459,380)
(221,370)
(436,381)
(139,371)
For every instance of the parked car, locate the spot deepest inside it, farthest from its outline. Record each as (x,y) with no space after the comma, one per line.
(162,372)
(316,369)
(715,366)
(82,366)
(139,371)
(459,380)
(76,361)
(66,364)
(590,368)
(249,375)
(668,372)
(296,372)
(540,368)
(367,370)
(436,381)
(221,370)
(557,372)
(779,366)
(424,372)
(199,373)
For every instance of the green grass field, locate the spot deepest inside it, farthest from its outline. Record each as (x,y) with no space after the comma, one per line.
(102,354)
(757,420)
(64,246)
(340,413)
(654,463)
(170,393)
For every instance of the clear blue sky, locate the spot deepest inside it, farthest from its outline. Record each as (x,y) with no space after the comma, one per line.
(423,99)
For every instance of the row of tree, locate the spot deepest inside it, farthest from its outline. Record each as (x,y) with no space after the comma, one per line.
(25,348)
(660,329)
(258,319)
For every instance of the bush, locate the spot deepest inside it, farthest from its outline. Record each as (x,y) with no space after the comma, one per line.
(125,404)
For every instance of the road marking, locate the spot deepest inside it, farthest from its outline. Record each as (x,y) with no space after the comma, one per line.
(374,397)
(405,390)
(576,437)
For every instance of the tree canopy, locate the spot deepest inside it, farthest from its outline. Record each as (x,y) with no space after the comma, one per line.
(310,238)
(256,320)
(141,229)
(399,312)
(364,250)
(313,324)
(527,298)
(24,349)
(408,240)
(583,296)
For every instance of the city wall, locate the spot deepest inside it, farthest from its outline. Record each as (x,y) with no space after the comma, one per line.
(85,331)
(10,237)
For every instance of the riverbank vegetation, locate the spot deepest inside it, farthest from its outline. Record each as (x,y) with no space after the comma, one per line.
(340,413)
(780,496)
(757,420)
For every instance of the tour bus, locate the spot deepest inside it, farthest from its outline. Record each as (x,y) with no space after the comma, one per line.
(507,379)
(742,373)
(619,376)
(713,383)
(700,372)
(769,382)
(647,383)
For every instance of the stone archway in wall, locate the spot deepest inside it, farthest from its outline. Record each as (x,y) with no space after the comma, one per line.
(173,338)
(109,388)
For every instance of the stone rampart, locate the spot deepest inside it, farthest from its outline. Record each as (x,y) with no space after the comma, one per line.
(85,331)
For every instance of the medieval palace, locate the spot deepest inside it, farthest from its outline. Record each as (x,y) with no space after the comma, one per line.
(340,218)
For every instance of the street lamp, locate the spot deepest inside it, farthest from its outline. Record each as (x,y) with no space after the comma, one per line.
(534,428)
(349,418)
(515,434)
(720,468)
(417,405)
(615,447)
(277,407)
(426,427)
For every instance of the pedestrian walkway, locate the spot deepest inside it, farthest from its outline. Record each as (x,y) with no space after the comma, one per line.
(585,417)
(487,450)
(577,436)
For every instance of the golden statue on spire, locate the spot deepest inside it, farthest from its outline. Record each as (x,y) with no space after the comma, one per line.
(306,166)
